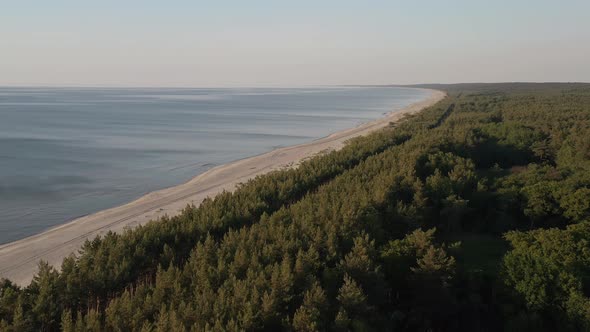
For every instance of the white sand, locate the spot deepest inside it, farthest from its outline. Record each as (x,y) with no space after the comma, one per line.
(19,259)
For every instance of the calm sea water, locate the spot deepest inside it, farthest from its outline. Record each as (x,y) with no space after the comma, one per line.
(68,152)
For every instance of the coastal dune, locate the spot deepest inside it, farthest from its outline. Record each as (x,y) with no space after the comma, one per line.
(19,259)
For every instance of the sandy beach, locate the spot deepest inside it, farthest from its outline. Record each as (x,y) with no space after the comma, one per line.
(19,259)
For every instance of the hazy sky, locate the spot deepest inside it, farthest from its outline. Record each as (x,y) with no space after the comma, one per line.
(299,42)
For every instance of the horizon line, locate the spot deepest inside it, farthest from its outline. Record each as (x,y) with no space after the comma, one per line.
(286,86)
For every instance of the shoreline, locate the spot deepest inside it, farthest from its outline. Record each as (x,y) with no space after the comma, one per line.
(19,259)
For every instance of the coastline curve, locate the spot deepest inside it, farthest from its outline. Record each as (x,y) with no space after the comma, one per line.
(19,259)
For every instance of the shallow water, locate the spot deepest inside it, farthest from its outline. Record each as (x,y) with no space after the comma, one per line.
(68,152)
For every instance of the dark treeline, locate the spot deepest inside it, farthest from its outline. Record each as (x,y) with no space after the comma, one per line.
(473,215)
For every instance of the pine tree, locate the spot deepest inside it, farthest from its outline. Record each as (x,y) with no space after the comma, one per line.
(67,324)
(342,321)
(308,316)
(93,321)
(351,297)
(47,303)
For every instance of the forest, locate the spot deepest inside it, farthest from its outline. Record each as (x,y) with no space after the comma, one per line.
(472,215)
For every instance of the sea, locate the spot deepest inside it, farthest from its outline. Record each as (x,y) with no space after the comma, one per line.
(69,152)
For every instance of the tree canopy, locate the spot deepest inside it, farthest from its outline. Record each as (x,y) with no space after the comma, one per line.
(472,215)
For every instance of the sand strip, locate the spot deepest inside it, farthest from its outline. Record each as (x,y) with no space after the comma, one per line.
(18,260)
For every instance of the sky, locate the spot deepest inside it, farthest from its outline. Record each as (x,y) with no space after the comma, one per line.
(291,43)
